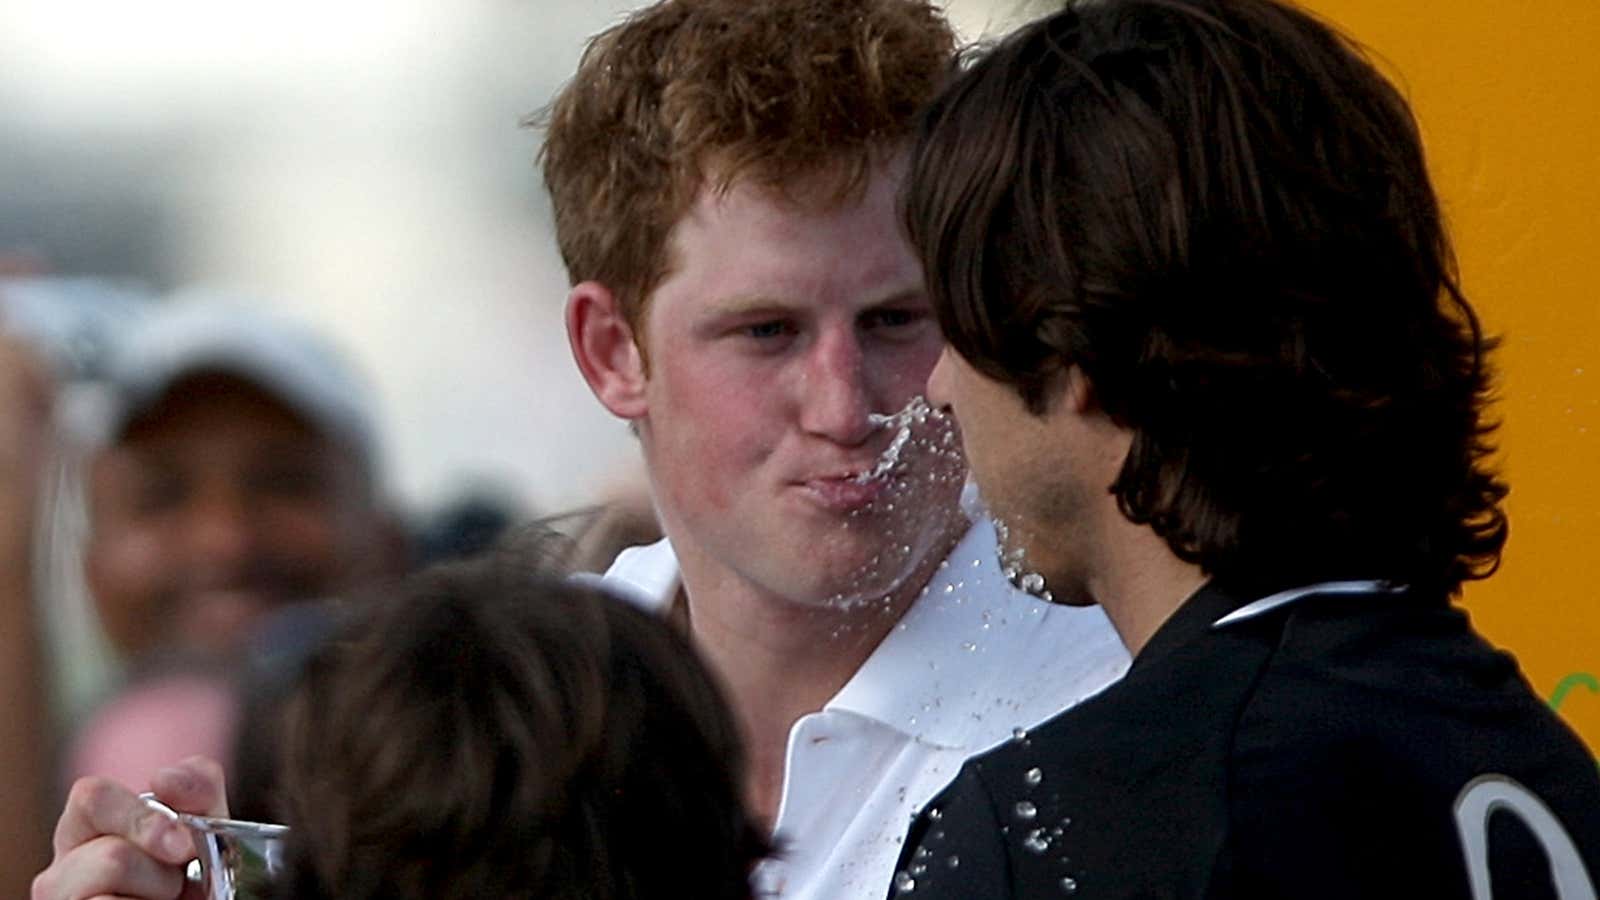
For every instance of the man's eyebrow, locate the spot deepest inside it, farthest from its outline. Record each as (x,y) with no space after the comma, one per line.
(741,305)
(738,305)
(916,295)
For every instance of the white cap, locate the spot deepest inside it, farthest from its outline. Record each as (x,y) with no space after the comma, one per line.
(294,365)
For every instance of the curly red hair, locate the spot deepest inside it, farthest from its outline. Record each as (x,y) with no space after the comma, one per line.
(692,93)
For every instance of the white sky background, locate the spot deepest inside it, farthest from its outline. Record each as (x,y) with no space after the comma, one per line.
(359,163)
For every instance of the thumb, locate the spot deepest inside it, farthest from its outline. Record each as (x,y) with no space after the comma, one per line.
(195,785)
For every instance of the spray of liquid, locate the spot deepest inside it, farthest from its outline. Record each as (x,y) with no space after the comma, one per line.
(916,413)
(923,439)
(1013,564)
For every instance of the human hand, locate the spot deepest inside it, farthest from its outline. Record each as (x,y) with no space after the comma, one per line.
(110,843)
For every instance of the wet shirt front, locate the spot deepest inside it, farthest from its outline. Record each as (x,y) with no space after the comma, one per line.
(1319,749)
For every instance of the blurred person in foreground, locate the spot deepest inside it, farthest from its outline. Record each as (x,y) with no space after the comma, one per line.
(723,175)
(1214,372)
(488,730)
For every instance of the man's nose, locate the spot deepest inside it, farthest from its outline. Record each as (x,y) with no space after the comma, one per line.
(837,396)
(222,528)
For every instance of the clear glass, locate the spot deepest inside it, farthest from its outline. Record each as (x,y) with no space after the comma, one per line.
(238,860)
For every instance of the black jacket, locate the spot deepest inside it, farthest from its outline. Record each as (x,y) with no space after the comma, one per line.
(1316,750)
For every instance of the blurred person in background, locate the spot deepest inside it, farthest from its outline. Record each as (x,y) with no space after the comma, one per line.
(723,174)
(25,745)
(487,729)
(52,333)
(237,473)
(231,473)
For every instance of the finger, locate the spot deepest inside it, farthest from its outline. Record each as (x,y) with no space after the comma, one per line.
(99,806)
(193,786)
(108,866)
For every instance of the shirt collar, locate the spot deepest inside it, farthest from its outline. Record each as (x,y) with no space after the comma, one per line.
(645,576)
(974,658)
(970,661)
(1214,606)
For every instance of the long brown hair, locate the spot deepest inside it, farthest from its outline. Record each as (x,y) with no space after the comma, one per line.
(1220,212)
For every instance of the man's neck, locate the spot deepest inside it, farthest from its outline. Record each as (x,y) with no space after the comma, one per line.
(780,660)
(1140,582)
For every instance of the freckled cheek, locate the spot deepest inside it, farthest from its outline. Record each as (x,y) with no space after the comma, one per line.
(713,449)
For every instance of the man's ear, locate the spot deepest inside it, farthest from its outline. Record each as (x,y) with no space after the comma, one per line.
(1077,394)
(603,345)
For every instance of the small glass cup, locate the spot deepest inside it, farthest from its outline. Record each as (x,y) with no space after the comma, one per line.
(238,860)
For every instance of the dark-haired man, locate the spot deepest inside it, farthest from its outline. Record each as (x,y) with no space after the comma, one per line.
(1214,373)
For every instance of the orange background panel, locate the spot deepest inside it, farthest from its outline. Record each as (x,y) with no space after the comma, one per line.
(1508,97)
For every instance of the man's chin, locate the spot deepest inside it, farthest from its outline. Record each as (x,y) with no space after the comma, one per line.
(874,580)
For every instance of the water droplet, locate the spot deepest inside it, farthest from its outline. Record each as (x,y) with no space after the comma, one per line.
(1070,885)
(904,883)
(1019,733)
(1026,811)
(953,862)
(1033,777)
(935,814)
(919,870)
(976,563)
(1036,842)
(949,589)
(1032,582)
(968,646)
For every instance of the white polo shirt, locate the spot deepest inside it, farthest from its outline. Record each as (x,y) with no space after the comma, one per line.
(972,663)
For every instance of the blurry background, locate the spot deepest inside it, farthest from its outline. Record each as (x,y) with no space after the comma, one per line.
(1506,98)
(359,164)
(356,163)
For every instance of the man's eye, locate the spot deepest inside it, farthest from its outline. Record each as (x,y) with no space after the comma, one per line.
(771,329)
(156,493)
(891,318)
(289,481)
